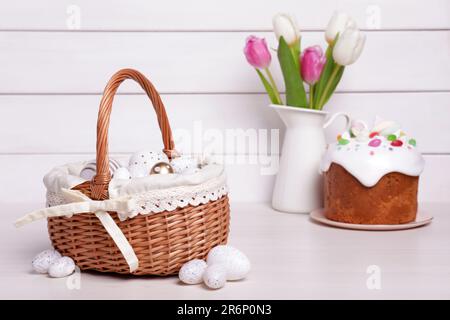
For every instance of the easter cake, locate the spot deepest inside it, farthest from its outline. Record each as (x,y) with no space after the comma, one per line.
(372,176)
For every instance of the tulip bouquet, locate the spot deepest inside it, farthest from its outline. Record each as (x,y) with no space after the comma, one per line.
(322,72)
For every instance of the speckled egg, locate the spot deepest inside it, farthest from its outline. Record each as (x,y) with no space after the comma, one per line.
(237,264)
(90,168)
(138,171)
(215,276)
(62,267)
(141,162)
(43,260)
(122,173)
(192,272)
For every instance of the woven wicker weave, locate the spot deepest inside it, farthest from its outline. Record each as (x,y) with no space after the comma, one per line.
(161,241)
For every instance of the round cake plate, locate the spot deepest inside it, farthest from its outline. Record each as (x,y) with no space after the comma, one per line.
(421,220)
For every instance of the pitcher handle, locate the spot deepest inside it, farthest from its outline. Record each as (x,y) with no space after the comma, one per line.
(334,117)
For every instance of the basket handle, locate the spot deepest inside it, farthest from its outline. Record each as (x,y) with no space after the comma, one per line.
(99,184)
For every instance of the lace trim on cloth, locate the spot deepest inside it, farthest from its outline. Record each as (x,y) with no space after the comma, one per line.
(155,201)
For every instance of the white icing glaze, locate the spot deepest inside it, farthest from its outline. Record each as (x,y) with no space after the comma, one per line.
(369,164)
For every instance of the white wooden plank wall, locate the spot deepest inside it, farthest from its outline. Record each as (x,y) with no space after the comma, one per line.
(56,56)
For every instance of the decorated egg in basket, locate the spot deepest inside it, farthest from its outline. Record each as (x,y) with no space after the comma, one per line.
(90,168)
(185,165)
(142,162)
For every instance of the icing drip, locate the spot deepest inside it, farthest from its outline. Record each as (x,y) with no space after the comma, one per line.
(368,157)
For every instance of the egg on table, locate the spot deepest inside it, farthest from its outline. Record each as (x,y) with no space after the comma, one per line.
(43,260)
(62,267)
(236,262)
(192,271)
(215,276)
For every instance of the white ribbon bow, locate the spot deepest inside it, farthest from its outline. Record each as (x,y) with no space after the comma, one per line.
(80,203)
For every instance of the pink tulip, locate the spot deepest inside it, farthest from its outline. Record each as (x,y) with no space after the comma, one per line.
(257,53)
(312,63)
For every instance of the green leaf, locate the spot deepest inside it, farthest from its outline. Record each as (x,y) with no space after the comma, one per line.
(268,87)
(326,73)
(295,50)
(295,92)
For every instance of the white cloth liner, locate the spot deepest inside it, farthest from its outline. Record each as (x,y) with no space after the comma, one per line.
(67,176)
(154,193)
(158,200)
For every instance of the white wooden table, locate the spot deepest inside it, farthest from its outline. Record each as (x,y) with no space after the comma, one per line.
(292,258)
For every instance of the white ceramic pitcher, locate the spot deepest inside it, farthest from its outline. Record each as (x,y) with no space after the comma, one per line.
(298,186)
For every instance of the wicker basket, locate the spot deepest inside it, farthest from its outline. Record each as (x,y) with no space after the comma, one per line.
(162,241)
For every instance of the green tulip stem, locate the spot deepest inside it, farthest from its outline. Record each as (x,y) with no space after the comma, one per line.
(311,96)
(295,50)
(274,85)
(335,71)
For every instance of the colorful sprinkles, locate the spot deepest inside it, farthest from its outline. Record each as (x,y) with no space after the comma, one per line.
(397,143)
(375,143)
(386,134)
(412,142)
(392,137)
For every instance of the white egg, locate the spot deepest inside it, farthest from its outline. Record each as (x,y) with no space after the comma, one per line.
(192,271)
(43,260)
(62,267)
(184,165)
(215,276)
(147,158)
(236,262)
(138,171)
(122,173)
(90,168)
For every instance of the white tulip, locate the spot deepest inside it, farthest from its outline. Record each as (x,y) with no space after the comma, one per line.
(337,24)
(348,47)
(286,26)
